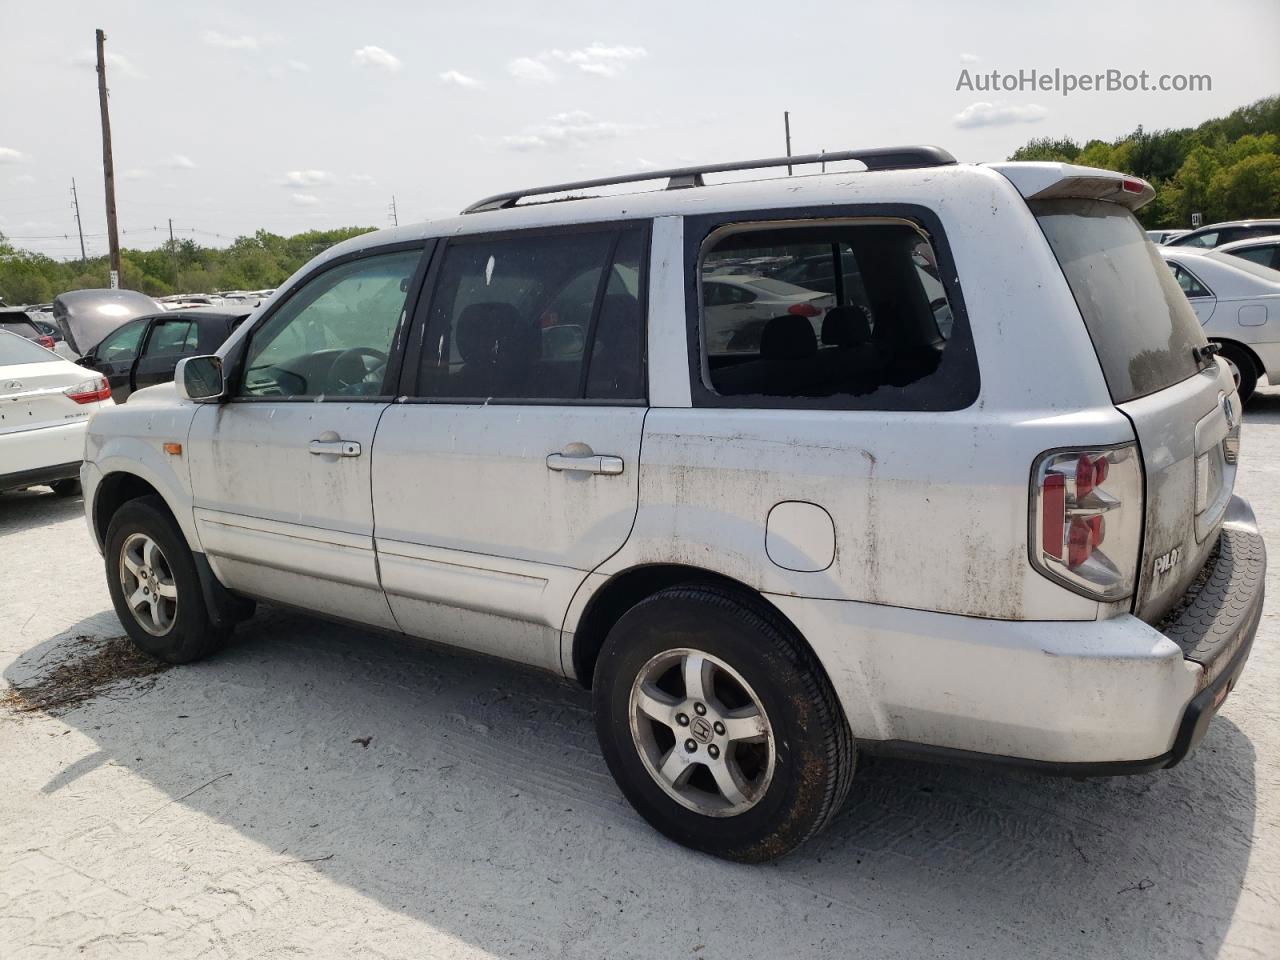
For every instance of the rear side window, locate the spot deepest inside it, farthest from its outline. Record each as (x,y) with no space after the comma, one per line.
(847,313)
(16,349)
(1143,329)
(1186,282)
(23,328)
(537,317)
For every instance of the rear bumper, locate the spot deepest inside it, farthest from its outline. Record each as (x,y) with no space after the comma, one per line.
(1081,698)
(41,455)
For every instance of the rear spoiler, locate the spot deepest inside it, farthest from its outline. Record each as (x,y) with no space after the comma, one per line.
(1051,181)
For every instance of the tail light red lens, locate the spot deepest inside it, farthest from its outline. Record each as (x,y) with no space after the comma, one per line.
(1087,519)
(804,310)
(90,391)
(46,342)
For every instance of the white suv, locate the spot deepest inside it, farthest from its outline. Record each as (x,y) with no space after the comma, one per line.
(978,510)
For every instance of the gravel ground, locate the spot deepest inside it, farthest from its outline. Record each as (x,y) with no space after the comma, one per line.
(314,791)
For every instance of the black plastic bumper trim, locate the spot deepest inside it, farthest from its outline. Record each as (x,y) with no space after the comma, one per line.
(41,475)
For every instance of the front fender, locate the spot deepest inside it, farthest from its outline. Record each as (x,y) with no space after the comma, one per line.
(132,441)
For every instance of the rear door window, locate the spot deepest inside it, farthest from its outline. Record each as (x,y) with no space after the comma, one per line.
(844,314)
(1143,329)
(537,316)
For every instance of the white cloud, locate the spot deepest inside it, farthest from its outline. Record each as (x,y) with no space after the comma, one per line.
(529,70)
(362,178)
(377,57)
(984,114)
(970,58)
(242,42)
(10,155)
(598,59)
(308,178)
(304,199)
(456,79)
(23,178)
(297,65)
(574,128)
(117,64)
(180,161)
(136,173)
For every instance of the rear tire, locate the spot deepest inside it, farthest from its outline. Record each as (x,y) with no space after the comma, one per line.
(1242,368)
(66,488)
(749,754)
(154,585)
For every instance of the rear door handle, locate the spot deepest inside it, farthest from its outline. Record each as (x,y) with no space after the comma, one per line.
(335,448)
(610,466)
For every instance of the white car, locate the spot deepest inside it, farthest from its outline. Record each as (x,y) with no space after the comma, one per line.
(999,529)
(45,404)
(1217,234)
(1164,236)
(739,306)
(1264,251)
(1238,303)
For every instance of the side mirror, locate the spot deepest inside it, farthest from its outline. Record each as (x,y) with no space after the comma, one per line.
(86,360)
(200,379)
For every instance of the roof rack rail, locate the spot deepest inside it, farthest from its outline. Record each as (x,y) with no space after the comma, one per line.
(876,158)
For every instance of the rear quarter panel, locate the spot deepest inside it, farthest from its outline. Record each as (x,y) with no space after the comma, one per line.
(930,510)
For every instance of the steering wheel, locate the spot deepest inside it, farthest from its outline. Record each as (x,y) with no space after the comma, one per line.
(350,370)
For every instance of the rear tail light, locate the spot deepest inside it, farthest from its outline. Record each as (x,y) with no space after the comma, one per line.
(89,391)
(46,342)
(804,310)
(1086,519)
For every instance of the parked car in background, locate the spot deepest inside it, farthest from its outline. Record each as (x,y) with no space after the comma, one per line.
(1164,236)
(739,307)
(86,316)
(1216,234)
(21,323)
(45,402)
(1264,251)
(1238,303)
(1012,543)
(145,351)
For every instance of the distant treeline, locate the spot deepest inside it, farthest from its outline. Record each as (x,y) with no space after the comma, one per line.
(1225,169)
(181,266)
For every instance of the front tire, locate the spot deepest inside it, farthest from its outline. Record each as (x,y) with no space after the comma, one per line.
(719,724)
(154,585)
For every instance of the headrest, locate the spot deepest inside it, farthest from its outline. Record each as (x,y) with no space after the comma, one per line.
(788,337)
(845,327)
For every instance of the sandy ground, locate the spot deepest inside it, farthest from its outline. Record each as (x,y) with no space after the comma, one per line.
(226,810)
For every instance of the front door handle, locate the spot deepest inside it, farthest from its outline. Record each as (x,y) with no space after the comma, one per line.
(335,448)
(595,463)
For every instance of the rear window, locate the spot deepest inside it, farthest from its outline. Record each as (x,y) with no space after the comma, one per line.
(15,349)
(1143,328)
(22,327)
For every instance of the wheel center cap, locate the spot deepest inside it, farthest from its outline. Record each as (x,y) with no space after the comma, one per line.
(701,730)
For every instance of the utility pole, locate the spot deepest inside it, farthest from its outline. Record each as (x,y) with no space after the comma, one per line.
(108,168)
(75,202)
(395,217)
(173,253)
(786,122)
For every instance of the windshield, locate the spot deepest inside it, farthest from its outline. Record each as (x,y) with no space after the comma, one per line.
(16,349)
(1143,328)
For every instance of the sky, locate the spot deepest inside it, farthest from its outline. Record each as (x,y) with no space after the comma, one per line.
(232,116)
